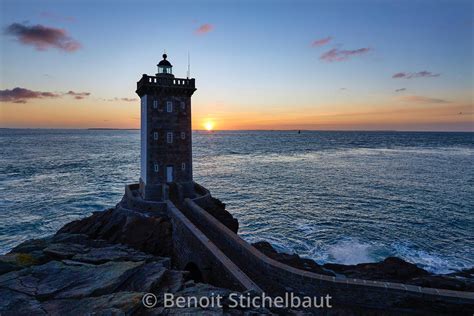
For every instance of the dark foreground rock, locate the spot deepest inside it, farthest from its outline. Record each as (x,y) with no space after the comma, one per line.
(71,274)
(105,263)
(142,231)
(392,269)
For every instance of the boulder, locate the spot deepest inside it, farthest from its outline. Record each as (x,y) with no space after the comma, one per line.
(217,209)
(150,234)
(391,269)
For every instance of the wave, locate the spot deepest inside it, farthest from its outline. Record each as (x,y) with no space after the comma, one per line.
(351,251)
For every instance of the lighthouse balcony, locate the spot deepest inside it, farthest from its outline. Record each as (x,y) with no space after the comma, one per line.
(147,81)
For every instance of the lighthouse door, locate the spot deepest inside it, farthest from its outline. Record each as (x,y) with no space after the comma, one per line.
(169,174)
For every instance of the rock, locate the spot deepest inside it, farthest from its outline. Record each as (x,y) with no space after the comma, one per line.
(64,251)
(447,282)
(118,225)
(56,279)
(32,245)
(17,261)
(217,209)
(172,281)
(199,290)
(145,279)
(292,260)
(467,273)
(110,253)
(83,276)
(392,269)
(14,303)
(121,303)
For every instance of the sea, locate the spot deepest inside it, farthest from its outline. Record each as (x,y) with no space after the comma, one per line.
(343,197)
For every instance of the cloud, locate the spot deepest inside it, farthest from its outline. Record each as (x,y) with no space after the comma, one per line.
(123,99)
(341,54)
(129,99)
(42,37)
(321,42)
(57,17)
(411,75)
(21,95)
(203,29)
(401,89)
(78,95)
(421,99)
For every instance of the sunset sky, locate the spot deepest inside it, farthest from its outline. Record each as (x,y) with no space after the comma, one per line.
(322,65)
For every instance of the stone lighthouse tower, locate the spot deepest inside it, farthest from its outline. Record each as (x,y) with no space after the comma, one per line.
(166,149)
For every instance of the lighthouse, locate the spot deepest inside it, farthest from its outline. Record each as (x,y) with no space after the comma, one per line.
(166,142)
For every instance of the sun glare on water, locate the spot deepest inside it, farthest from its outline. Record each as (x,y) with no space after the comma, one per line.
(209,126)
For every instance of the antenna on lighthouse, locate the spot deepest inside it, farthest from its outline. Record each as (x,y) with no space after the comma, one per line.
(189,66)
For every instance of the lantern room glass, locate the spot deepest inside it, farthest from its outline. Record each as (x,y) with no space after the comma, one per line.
(164,70)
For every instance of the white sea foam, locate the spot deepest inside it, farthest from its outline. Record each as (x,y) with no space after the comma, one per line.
(350,251)
(428,260)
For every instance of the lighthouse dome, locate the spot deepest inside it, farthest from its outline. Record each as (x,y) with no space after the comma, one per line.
(165,67)
(164,62)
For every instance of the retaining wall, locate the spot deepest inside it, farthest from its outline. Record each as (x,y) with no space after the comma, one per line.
(277,278)
(191,245)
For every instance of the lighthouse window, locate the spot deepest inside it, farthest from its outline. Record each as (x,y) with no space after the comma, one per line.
(183,166)
(183,106)
(156,167)
(183,135)
(169,138)
(169,106)
(155,135)
(155,104)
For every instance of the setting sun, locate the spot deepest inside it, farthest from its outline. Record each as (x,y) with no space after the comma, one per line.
(209,125)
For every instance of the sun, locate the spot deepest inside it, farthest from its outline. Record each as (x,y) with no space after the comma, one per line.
(209,125)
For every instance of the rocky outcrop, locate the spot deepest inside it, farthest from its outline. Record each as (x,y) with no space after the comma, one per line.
(74,274)
(392,269)
(292,260)
(139,230)
(216,208)
(105,263)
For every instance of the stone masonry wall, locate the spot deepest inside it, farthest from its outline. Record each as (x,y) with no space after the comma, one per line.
(190,245)
(277,278)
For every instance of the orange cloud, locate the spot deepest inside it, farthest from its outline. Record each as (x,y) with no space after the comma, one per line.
(203,29)
(321,42)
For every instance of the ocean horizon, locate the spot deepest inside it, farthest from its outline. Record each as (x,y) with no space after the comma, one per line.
(331,196)
(246,130)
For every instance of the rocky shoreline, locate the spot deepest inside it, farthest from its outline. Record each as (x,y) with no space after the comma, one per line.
(106,262)
(392,269)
